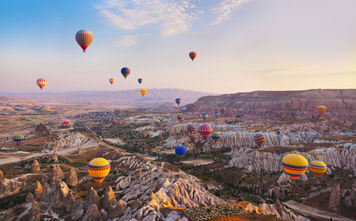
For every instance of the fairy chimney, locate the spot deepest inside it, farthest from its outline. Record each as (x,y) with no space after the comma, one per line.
(36,166)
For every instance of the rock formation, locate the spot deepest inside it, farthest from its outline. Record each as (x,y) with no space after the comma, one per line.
(35,167)
(72,178)
(335,197)
(57,173)
(2,177)
(38,190)
(54,157)
(41,131)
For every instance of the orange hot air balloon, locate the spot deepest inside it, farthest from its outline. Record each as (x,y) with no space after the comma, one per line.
(41,82)
(321,109)
(84,38)
(192,55)
(143,92)
(111,80)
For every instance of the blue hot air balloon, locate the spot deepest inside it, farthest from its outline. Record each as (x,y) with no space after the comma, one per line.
(180,150)
(139,80)
(204,116)
(125,71)
(216,114)
(178,101)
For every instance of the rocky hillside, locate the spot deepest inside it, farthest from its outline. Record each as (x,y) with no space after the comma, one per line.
(343,100)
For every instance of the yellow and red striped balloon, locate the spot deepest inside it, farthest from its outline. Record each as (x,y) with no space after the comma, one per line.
(143,92)
(294,165)
(84,38)
(41,82)
(317,168)
(321,109)
(98,169)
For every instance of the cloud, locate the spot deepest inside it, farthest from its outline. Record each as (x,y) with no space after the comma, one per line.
(174,16)
(226,8)
(128,40)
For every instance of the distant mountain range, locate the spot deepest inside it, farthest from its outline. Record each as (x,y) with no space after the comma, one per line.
(157,98)
(340,100)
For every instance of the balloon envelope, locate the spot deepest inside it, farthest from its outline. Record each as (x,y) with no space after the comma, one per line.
(178,100)
(192,55)
(139,80)
(179,117)
(259,139)
(18,138)
(317,168)
(157,123)
(65,122)
(143,92)
(215,136)
(84,38)
(41,82)
(205,130)
(111,80)
(98,169)
(321,109)
(294,165)
(180,150)
(204,116)
(125,71)
(216,114)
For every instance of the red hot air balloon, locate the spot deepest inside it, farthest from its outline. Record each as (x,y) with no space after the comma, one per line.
(65,122)
(111,80)
(192,55)
(84,38)
(205,130)
(41,82)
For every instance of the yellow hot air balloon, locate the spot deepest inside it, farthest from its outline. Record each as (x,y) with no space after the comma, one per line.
(317,168)
(294,165)
(143,92)
(321,109)
(98,169)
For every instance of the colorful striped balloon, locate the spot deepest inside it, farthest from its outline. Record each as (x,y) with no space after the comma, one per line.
(18,138)
(259,139)
(205,130)
(317,168)
(321,109)
(98,169)
(215,136)
(158,123)
(294,165)
(41,82)
(84,38)
(179,117)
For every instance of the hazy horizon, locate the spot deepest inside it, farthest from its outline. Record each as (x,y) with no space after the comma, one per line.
(242,45)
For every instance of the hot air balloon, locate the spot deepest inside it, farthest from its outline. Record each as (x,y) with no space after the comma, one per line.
(205,130)
(223,110)
(192,55)
(191,128)
(178,100)
(294,165)
(125,71)
(139,80)
(111,80)
(193,138)
(317,168)
(204,116)
(84,38)
(65,122)
(216,114)
(321,109)
(179,117)
(18,139)
(41,82)
(184,108)
(259,139)
(143,92)
(215,136)
(98,169)
(158,123)
(180,150)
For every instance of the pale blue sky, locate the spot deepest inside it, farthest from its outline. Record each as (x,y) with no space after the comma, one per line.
(242,45)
